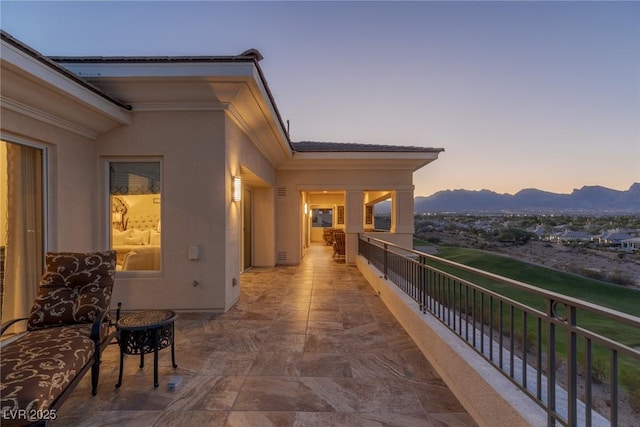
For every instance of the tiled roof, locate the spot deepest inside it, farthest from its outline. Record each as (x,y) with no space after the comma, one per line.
(313,146)
(248,55)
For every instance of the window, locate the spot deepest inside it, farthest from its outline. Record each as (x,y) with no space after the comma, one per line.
(322,217)
(135,213)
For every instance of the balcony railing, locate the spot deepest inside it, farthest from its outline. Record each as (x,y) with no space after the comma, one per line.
(554,349)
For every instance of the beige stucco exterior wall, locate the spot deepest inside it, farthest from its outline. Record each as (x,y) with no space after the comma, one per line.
(191,145)
(242,155)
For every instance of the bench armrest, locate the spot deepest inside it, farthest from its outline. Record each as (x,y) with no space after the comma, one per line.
(6,325)
(97,326)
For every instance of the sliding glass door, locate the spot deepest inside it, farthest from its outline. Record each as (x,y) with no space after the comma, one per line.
(21,227)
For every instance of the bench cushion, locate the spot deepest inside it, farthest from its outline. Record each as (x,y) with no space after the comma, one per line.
(37,367)
(75,288)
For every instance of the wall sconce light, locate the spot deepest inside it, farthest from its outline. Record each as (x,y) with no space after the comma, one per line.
(306,209)
(237,188)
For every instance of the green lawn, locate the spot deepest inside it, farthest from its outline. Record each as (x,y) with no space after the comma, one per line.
(617,297)
(620,298)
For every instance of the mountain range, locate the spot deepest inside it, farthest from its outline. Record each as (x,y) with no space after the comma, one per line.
(588,199)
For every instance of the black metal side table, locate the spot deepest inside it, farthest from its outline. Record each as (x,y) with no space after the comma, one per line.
(143,332)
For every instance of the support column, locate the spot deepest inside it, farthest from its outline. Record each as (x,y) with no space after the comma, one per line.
(354,223)
(402,217)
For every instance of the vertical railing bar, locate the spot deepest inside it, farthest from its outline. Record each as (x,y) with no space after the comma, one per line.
(613,387)
(482,322)
(385,260)
(459,307)
(473,314)
(539,360)
(466,313)
(588,392)
(512,333)
(525,345)
(453,307)
(491,328)
(501,334)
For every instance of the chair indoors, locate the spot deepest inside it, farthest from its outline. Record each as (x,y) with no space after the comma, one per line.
(327,235)
(338,244)
(67,330)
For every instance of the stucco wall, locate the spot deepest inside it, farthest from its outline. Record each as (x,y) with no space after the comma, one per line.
(192,148)
(243,156)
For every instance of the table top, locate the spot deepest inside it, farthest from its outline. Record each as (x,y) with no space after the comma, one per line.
(145,319)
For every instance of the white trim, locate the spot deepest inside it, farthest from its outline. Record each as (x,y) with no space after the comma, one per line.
(46,183)
(42,116)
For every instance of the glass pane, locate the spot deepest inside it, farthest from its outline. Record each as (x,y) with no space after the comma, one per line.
(21,227)
(322,217)
(135,194)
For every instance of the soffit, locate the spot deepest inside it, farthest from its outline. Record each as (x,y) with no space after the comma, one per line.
(234,87)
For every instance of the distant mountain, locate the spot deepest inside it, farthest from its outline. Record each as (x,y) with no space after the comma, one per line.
(588,199)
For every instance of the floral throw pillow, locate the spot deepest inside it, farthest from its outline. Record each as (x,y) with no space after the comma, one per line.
(75,288)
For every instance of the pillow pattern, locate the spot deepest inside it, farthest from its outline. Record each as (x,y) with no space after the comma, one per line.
(119,237)
(143,235)
(133,241)
(75,288)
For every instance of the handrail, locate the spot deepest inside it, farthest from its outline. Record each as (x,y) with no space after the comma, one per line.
(504,331)
(624,317)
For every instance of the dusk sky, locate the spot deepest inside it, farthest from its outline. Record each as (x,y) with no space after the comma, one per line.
(519,94)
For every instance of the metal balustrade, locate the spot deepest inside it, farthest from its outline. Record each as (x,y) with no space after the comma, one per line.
(532,345)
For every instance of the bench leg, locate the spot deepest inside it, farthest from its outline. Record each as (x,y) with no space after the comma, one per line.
(120,374)
(173,347)
(95,372)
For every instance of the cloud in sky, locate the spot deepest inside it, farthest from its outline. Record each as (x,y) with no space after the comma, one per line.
(520,94)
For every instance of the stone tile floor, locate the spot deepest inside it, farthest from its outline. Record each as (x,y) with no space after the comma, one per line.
(310,345)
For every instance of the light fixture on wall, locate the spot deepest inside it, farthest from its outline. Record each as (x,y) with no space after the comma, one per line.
(237,188)
(306,209)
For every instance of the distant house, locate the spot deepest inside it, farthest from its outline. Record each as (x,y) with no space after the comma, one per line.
(569,236)
(182,165)
(613,238)
(539,231)
(631,245)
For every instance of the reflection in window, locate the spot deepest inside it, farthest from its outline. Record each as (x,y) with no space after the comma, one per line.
(322,217)
(134,201)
